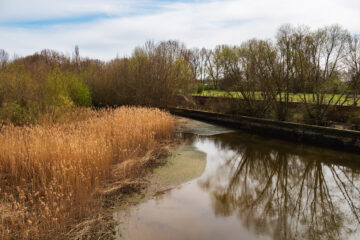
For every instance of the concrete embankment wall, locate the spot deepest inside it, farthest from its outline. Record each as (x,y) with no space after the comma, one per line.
(323,136)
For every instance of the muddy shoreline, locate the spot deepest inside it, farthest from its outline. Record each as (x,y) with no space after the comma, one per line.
(168,165)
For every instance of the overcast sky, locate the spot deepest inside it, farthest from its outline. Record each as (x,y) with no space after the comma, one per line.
(103,29)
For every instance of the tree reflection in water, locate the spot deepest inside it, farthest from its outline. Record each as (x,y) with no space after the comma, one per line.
(288,192)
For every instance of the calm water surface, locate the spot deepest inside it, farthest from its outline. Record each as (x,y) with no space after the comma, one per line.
(254,188)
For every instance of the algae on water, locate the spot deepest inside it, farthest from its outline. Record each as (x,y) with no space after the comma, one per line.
(185,164)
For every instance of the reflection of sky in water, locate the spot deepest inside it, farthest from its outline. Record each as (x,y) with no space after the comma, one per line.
(257,188)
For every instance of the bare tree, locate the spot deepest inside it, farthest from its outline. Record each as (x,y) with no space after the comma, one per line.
(248,73)
(202,69)
(353,63)
(316,57)
(197,59)
(284,72)
(194,60)
(77,59)
(4,57)
(213,66)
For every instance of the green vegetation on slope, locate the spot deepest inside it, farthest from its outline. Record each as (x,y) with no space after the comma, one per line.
(293,97)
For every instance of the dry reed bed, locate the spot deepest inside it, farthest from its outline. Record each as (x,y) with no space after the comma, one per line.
(49,172)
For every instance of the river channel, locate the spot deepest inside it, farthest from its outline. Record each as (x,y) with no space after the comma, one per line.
(253,188)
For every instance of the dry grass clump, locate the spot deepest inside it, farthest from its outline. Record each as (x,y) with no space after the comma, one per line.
(49,172)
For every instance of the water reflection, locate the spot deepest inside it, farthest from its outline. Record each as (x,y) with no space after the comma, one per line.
(256,188)
(282,190)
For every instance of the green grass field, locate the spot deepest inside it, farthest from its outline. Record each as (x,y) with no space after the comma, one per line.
(294,97)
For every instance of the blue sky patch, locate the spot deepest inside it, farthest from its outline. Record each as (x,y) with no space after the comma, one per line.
(55,21)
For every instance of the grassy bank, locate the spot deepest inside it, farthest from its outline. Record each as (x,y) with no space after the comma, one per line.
(49,173)
(293,97)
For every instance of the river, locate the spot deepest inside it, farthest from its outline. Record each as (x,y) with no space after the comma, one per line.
(254,188)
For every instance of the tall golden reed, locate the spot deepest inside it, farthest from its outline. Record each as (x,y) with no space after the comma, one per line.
(48,173)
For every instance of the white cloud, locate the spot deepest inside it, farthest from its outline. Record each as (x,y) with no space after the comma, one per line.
(197,24)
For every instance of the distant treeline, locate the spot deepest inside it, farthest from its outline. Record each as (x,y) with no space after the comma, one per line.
(323,65)
(43,86)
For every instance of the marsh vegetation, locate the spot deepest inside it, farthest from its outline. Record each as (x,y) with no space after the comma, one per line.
(50,173)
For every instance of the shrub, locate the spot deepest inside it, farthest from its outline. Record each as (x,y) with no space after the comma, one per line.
(26,97)
(200,87)
(79,92)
